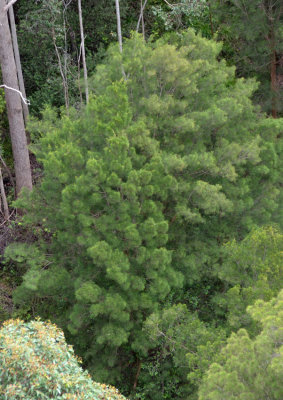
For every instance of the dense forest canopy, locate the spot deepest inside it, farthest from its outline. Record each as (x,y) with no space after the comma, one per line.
(141,199)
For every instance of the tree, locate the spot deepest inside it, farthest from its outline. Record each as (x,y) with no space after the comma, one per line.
(14,105)
(83,49)
(252,270)
(37,363)
(250,368)
(53,79)
(139,193)
(119,30)
(226,174)
(18,61)
(119,270)
(252,30)
(172,16)
(185,347)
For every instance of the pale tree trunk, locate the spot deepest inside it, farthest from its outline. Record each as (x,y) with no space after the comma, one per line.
(18,61)
(119,30)
(83,49)
(3,196)
(62,72)
(141,18)
(14,105)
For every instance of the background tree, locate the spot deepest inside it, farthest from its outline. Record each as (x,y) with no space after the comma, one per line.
(250,368)
(252,269)
(18,60)
(14,105)
(83,49)
(253,31)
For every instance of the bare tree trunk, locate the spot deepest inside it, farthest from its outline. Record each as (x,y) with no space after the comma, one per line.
(4,199)
(141,17)
(79,75)
(83,49)
(119,31)
(273,76)
(63,76)
(14,105)
(210,20)
(18,61)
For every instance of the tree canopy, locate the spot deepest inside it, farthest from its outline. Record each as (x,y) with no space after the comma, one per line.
(139,191)
(153,231)
(250,368)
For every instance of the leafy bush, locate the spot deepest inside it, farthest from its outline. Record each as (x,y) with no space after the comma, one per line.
(36,364)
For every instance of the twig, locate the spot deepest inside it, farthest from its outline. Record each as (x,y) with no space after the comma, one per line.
(141,16)
(26,101)
(3,223)
(8,170)
(64,78)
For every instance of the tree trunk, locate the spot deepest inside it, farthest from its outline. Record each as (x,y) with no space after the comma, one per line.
(18,61)
(273,76)
(4,199)
(14,105)
(119,30)
(83,49)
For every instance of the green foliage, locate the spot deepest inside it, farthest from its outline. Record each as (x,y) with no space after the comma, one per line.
(42,26)
(108,230)
(186,347)
(253,269)
(36,363)
(223,156)
(176,16)
(250,369)
(169,160)
(2,101)
(252,31)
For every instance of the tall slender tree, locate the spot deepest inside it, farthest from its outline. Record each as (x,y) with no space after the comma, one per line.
(14,104)
(83,48)
(18,60)
(252,29)
(119,30)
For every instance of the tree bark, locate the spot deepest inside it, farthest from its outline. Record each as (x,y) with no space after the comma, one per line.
(119,30)
(18,61)
(14,105)
(83,49)
(273,76)
(4,199)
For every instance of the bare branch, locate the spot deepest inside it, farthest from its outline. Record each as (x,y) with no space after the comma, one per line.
(6,8)
(141,16)
(83,50)
(26,101)
(8,171)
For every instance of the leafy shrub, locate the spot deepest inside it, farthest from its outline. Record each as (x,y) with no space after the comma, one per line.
(36,364)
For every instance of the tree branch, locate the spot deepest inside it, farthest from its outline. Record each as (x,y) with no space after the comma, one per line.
(26,101)
(141,16)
